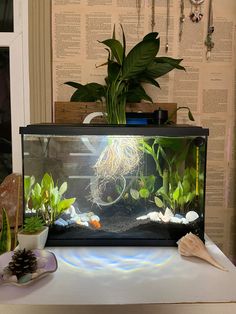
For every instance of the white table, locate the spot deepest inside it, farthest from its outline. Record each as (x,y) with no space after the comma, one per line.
(127,280)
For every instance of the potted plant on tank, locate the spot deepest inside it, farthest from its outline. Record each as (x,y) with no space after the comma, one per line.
(126,74)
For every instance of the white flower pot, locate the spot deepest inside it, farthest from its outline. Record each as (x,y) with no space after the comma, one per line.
(32,241)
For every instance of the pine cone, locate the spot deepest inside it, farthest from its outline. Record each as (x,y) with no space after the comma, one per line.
(23,262)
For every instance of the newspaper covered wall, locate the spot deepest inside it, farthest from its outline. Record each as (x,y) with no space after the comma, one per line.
(208,87)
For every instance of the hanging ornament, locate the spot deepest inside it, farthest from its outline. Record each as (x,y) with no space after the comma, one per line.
(167,24)
(181,19)
(153,15)
(210,29)
(196,14)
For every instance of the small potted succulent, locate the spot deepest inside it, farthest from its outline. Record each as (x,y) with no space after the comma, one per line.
(34,234)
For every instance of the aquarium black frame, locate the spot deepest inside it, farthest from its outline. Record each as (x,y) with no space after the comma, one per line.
(104,129)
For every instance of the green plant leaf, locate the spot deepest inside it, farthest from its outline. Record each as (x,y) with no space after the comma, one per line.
(63,188)
(124,42)
(186,186)
(47,182)
(139,58)
(176,194)
(33,225)
(149,36)
(73,84)
(149,182)
(158,202)
(144,193)
(116,48)
(149,80)
(137,94)
(89,92)
(161,66)
(171,61)
(134,194)
(5,237)
(114,70)
(190,116)
(65,204)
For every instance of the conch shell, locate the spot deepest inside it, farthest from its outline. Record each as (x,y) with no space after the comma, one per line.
(192,245)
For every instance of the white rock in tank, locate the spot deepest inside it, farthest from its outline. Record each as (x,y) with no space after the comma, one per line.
(191,216)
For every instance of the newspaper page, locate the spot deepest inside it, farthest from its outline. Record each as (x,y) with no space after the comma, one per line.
(208,87)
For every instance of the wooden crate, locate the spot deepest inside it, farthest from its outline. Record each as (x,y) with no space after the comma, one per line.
(75,112)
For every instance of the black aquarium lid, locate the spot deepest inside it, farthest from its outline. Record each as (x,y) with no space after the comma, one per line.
(107,129)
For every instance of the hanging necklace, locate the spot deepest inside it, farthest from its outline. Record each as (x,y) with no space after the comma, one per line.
(196,14)
(181,19)
(153,15)
(167,24)
(208,42)
(138,6)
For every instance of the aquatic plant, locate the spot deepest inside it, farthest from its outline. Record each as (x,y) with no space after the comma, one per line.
(144,187)
(28,185)
(179,182)
(47,200)
(5,237)
(126,75)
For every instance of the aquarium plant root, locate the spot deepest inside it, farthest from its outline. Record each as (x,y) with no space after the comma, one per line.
(120,157)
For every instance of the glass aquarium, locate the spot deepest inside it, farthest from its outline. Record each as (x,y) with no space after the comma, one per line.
(115,185)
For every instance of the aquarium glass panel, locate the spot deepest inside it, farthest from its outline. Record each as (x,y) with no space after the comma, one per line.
(112,189)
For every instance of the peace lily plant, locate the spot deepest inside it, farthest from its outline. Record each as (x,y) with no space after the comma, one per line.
(126,74)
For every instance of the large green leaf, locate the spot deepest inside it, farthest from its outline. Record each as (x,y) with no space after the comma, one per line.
(139,57)
(89,92)
(113,71)
(174,62)
(137,94)
(161,66)
(116,48)
(73,84)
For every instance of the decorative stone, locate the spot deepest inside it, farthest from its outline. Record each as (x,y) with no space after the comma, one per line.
(12,278)
(34,275)
(25,278)
(176,220)
(191,216)
(39,271)
(11,198)
(168,213)
(164,218)
(61,222)
(95,217)
(184,221)
(154,216)
(71,211)
(144,217)
(179,216)
(41,262)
